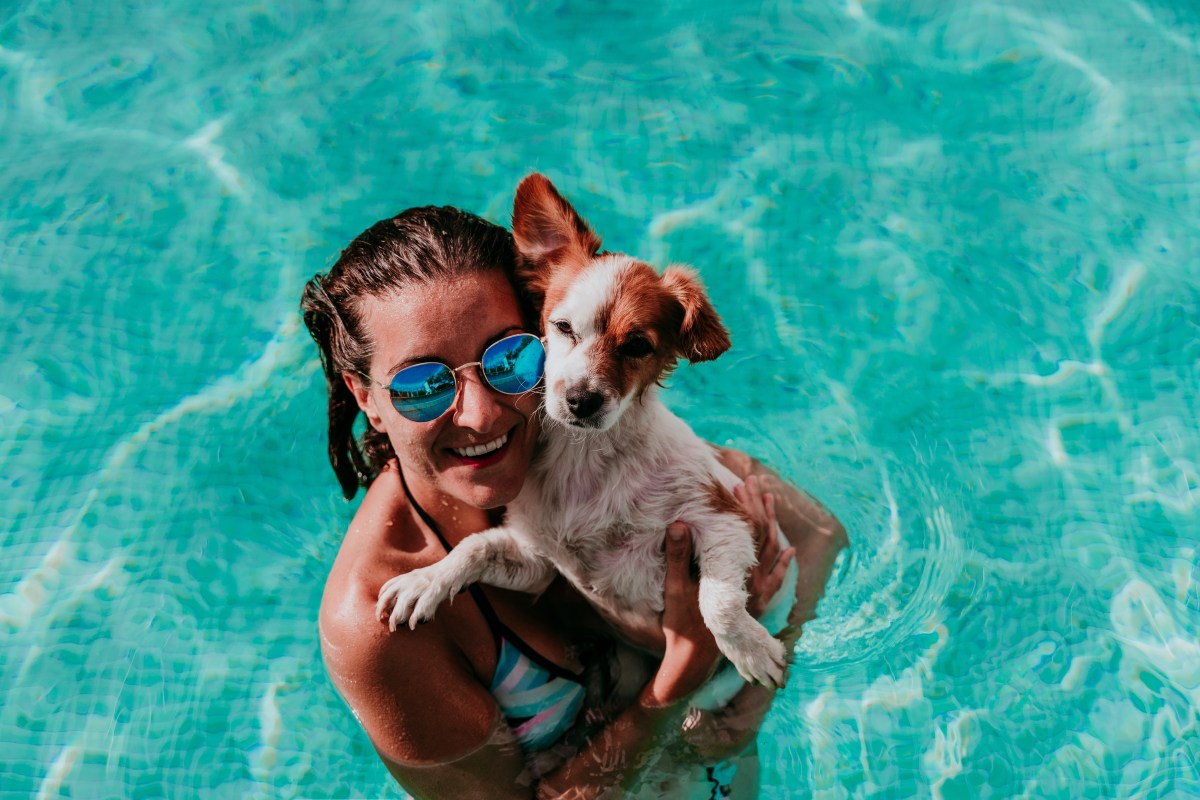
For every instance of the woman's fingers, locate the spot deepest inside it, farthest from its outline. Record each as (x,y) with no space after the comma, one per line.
(775,580)
(679,546)
(758,506)
(764,578)
(690,652)
(681,594)
(754,489)
(681,588)
(768,549)
(769,580)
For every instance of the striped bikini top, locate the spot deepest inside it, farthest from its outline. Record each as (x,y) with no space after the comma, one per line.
(538,698)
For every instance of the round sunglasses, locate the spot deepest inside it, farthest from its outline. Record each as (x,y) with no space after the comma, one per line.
(423,392)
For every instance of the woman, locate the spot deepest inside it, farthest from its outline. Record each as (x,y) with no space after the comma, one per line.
(472,703)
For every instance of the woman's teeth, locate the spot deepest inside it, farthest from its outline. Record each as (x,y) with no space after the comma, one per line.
(475,451)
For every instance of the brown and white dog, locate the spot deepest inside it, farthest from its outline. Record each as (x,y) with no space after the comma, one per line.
(616,466)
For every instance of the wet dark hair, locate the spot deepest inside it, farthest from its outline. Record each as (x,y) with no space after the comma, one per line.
(416,246)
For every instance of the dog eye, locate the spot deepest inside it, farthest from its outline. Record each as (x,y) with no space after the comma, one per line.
(564,327)
(635,347)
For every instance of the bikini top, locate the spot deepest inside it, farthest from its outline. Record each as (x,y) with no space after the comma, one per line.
(538,698)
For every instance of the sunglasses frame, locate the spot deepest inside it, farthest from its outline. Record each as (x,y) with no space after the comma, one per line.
(454,376)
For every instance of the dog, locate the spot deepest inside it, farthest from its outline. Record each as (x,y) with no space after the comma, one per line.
(615,466)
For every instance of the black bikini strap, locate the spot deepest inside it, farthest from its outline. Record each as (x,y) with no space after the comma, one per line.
(497,627)
(489,614)
(428,520)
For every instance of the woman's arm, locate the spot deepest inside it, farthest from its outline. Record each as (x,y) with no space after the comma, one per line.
(816,537)
(632,741)
(435,726)
(440,733)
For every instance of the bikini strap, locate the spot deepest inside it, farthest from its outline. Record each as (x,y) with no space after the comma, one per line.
(428,520)
(489,614)
(498,628)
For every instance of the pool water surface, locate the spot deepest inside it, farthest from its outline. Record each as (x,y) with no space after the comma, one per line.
(956,245)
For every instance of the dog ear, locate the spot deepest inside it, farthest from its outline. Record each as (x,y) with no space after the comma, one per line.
(548,233)
(702,337)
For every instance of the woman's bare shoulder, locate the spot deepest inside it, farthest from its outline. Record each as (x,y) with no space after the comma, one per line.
(357,646)
(382,541)
(402,685)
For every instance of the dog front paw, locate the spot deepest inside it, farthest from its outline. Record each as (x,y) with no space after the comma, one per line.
(413,597)
(762,661)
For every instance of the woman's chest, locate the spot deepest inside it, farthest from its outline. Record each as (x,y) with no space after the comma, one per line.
(523,621)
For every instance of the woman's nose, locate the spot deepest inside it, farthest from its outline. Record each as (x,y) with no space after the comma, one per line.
(475,406)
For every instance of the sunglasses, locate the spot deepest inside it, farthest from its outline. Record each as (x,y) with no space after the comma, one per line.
(423,392)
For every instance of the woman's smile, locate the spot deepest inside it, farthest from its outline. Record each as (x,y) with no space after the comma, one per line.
(479,449)
(475,453)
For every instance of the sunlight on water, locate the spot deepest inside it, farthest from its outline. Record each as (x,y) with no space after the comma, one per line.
(955,244)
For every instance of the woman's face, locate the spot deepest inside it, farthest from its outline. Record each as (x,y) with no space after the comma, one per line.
(452,322)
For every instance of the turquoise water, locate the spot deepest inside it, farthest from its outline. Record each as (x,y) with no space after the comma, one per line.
(957,247)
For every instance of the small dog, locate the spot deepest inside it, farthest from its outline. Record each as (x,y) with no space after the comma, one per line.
(616,466)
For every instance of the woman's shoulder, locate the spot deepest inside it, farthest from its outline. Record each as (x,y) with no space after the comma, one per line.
(381,542)
(403,685)
(421,676)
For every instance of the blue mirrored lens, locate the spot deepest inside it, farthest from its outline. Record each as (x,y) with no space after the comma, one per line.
(514,364)
(423,392)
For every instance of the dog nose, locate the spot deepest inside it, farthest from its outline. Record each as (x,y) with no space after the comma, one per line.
(584,403)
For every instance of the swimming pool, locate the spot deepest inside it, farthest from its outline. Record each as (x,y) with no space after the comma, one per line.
(956,244)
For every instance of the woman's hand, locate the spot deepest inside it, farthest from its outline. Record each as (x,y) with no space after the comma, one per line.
(644,729)
(691,652)
(765,577)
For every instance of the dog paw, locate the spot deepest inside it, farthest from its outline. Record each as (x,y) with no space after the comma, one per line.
(764,661)
(413,598)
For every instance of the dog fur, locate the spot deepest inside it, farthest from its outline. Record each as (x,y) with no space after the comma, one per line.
(616,466)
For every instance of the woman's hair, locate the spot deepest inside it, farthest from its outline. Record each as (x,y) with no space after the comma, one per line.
(416,246)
